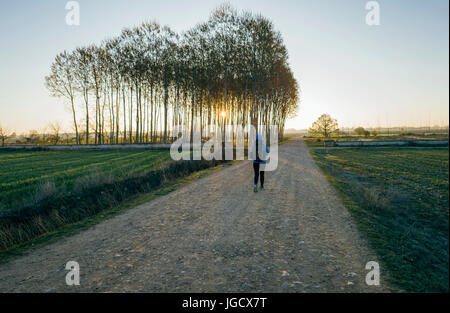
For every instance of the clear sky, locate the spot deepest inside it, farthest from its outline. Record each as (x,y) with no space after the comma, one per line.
(394,74)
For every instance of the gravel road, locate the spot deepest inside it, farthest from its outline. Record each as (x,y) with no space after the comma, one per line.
(215,235)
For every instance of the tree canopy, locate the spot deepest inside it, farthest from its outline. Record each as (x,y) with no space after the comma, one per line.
(137,86)
(325,126)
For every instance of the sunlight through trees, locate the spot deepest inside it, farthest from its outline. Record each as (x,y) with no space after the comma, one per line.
(136,87)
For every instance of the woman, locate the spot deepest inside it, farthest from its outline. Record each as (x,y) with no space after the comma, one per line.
(259,156)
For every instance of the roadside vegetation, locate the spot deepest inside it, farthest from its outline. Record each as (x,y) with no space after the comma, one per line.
(44,190)
(400,200)
(85,223)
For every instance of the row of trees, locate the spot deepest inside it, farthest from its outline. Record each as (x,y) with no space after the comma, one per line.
(136,87)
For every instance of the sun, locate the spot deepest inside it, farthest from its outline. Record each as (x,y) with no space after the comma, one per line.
(223,114)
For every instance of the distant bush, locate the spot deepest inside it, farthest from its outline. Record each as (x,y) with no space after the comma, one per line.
(360,131)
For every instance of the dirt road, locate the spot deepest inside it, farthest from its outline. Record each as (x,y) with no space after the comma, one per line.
(215,235)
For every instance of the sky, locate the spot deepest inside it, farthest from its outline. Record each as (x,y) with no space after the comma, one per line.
(392,74)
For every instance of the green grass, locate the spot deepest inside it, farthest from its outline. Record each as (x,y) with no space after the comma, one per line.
(319,141)
(22,173)
(400,200)
(43,191)
(85,223)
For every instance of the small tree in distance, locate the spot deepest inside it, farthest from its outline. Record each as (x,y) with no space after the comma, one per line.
(324,126)
(55,130)
(4,134)
(34,136)
(360,130)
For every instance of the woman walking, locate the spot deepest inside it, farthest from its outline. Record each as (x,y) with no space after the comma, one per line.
(259,156)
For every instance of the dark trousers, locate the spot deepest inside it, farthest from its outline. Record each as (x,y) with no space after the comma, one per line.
(258,173)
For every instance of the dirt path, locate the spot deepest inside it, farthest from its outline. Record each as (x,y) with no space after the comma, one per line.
(215,235)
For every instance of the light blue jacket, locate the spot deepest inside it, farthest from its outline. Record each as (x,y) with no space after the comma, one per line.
(262,157)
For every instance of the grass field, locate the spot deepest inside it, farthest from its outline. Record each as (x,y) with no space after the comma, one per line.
(319,141)
(24,174)
(400,200)
(74,228)
(42,191)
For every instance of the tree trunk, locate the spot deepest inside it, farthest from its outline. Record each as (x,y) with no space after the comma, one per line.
(166,97)
(74,121)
